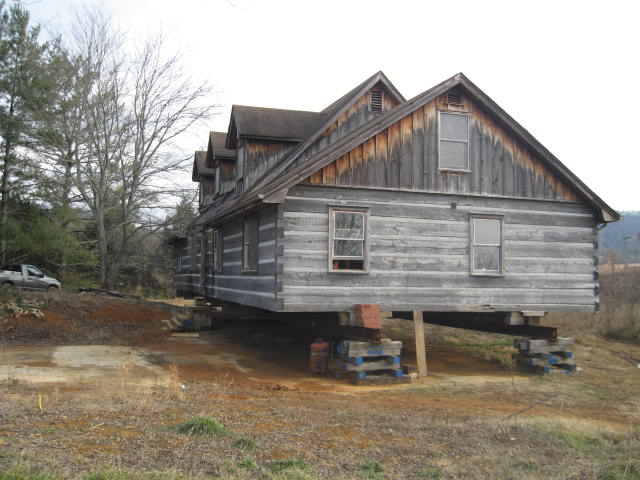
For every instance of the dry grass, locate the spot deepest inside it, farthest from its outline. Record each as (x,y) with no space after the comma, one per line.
(91,432)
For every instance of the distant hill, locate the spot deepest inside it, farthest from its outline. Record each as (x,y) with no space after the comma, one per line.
(611,236)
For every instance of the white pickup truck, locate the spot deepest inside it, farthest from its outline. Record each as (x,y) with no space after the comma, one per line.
(27,277)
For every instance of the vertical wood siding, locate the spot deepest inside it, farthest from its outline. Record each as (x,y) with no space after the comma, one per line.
(419,253)
(405,155)
(355,116)
(260,157)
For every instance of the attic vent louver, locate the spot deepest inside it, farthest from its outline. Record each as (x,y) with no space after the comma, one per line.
(375,103)
(454,99)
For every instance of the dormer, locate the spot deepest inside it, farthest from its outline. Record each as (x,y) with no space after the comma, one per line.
(223,161)
(261,136)
(205,177)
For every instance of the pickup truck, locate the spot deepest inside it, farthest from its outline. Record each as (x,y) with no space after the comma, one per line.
(27,277)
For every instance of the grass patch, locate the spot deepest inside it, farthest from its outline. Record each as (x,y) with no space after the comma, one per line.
(247,464)
(203,425)
(23,472)
(288,464)
(582,444)
(620,471)
(245,443)
(431,472)
(371,469)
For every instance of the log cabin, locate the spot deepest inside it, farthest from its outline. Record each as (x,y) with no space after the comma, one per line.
(442,204)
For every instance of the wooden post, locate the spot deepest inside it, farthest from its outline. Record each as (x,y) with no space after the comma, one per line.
(421,351)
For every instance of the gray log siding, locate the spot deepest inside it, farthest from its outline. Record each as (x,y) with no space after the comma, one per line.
(255,288)
(419,253)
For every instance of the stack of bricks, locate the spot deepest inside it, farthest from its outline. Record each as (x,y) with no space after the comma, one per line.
(369,316)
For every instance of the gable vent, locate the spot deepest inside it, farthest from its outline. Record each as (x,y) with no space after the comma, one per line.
(375,101)
(454,99)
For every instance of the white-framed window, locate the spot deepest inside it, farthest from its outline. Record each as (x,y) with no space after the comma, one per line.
(348,240)
(250,244)
(487,245)
(453,135)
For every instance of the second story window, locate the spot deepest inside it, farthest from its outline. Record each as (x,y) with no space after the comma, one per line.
(454,141)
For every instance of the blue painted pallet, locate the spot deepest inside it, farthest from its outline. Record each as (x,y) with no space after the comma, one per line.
(360,360)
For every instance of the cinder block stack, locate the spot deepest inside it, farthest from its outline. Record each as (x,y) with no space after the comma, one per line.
(369,363)
(544,356)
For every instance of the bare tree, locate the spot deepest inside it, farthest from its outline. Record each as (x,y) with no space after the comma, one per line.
(130,105)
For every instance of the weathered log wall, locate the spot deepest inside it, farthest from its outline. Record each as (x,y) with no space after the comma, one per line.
(257,288)
(419,253)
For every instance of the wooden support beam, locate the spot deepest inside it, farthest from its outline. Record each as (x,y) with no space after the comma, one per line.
(421,351)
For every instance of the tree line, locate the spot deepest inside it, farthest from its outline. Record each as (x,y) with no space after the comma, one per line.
(88,127)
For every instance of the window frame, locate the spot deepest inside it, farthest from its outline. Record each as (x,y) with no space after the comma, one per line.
(441,167)
(472,227)
(250,244)
(365,241)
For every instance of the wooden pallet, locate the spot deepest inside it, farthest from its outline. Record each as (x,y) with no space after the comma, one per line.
(370,363)
(545,356)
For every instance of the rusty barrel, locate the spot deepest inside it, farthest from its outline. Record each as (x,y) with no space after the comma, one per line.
(319,358)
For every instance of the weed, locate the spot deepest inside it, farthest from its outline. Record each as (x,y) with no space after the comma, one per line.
(431,472)
(246,443)
(620,471)
(528,466)
(287,464)
(247,464)
(24,472)
(371,469)
(203,425)
(581,443)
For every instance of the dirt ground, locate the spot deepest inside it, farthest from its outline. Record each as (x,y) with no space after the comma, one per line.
(99,384)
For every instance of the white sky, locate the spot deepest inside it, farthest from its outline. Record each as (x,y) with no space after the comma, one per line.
(567,71)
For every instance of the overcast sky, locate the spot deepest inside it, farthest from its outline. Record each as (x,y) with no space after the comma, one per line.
(567,71)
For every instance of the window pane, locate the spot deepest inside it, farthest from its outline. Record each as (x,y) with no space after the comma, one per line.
(453,155)
(454,127)
(348,248)
(349,225)
(486,231)
(486,259)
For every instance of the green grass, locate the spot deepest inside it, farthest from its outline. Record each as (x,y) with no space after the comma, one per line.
(371,469)
(245,443)
(203,425)
(23,472)
(287,464)
(620,471)
(247,464)
(431,473)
